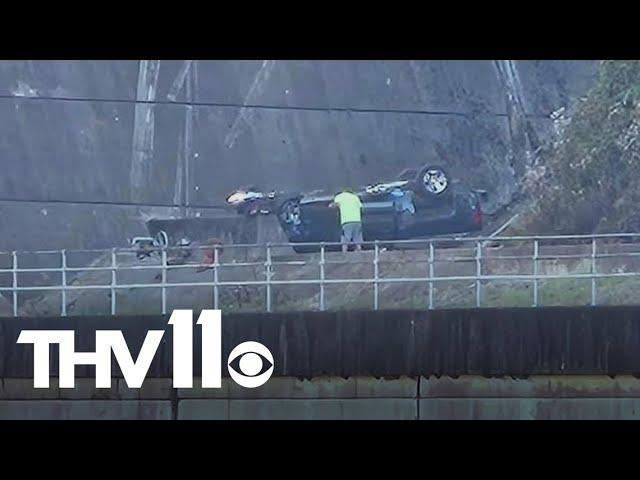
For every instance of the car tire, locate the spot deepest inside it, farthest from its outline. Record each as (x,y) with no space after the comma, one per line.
(162,239)
(432,183)
(289,211)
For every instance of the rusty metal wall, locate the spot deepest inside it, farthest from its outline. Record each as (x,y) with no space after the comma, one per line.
(518,342)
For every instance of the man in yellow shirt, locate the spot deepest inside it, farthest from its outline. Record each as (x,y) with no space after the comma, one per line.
(350,218)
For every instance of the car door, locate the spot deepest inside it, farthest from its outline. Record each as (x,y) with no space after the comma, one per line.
(378,222)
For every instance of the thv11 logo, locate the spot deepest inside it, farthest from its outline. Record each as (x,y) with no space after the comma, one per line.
(250,364)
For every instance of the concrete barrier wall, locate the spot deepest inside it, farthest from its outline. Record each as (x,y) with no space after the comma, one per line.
(333,398)
(281,398)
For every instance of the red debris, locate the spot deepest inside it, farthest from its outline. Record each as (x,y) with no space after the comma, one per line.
(209,253)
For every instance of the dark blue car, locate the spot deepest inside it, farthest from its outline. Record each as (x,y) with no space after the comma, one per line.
(420,204)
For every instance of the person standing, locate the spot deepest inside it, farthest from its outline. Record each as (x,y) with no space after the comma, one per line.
(350,218)
(403,207)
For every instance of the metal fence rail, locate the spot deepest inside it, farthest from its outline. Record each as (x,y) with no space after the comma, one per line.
(480,253)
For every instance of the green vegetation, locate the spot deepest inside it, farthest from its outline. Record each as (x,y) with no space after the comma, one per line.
(589,180)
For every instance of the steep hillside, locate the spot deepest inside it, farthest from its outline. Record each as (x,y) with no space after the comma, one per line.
(92,149)
(588,179)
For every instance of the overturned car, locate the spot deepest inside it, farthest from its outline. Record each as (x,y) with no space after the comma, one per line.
(420,204)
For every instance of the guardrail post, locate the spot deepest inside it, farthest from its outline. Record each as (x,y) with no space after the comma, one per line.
(593,271)
(113,281)
(15,284)
(376,258)
(431,259)
(164,281)
(63,307)
(268,272)
(216,263)
(535,273)
(478,274)
(322,273)
(537,279)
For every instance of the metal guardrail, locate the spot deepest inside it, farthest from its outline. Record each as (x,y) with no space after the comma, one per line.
(479,246)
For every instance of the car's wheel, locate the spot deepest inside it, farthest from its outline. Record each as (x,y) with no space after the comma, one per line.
(162,239)
(432,182)
(290,212)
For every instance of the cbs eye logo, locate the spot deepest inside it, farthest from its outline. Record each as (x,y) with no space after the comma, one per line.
(250,364)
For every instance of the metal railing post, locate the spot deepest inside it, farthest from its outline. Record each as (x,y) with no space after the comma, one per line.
(268,272)
(593,271)
(431,259)
(15,284)
(113,281)
(322,277)
(376,258)
(478,274)
(216,299)
(535,273)
(536,279)
(164,281)
(63,307)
